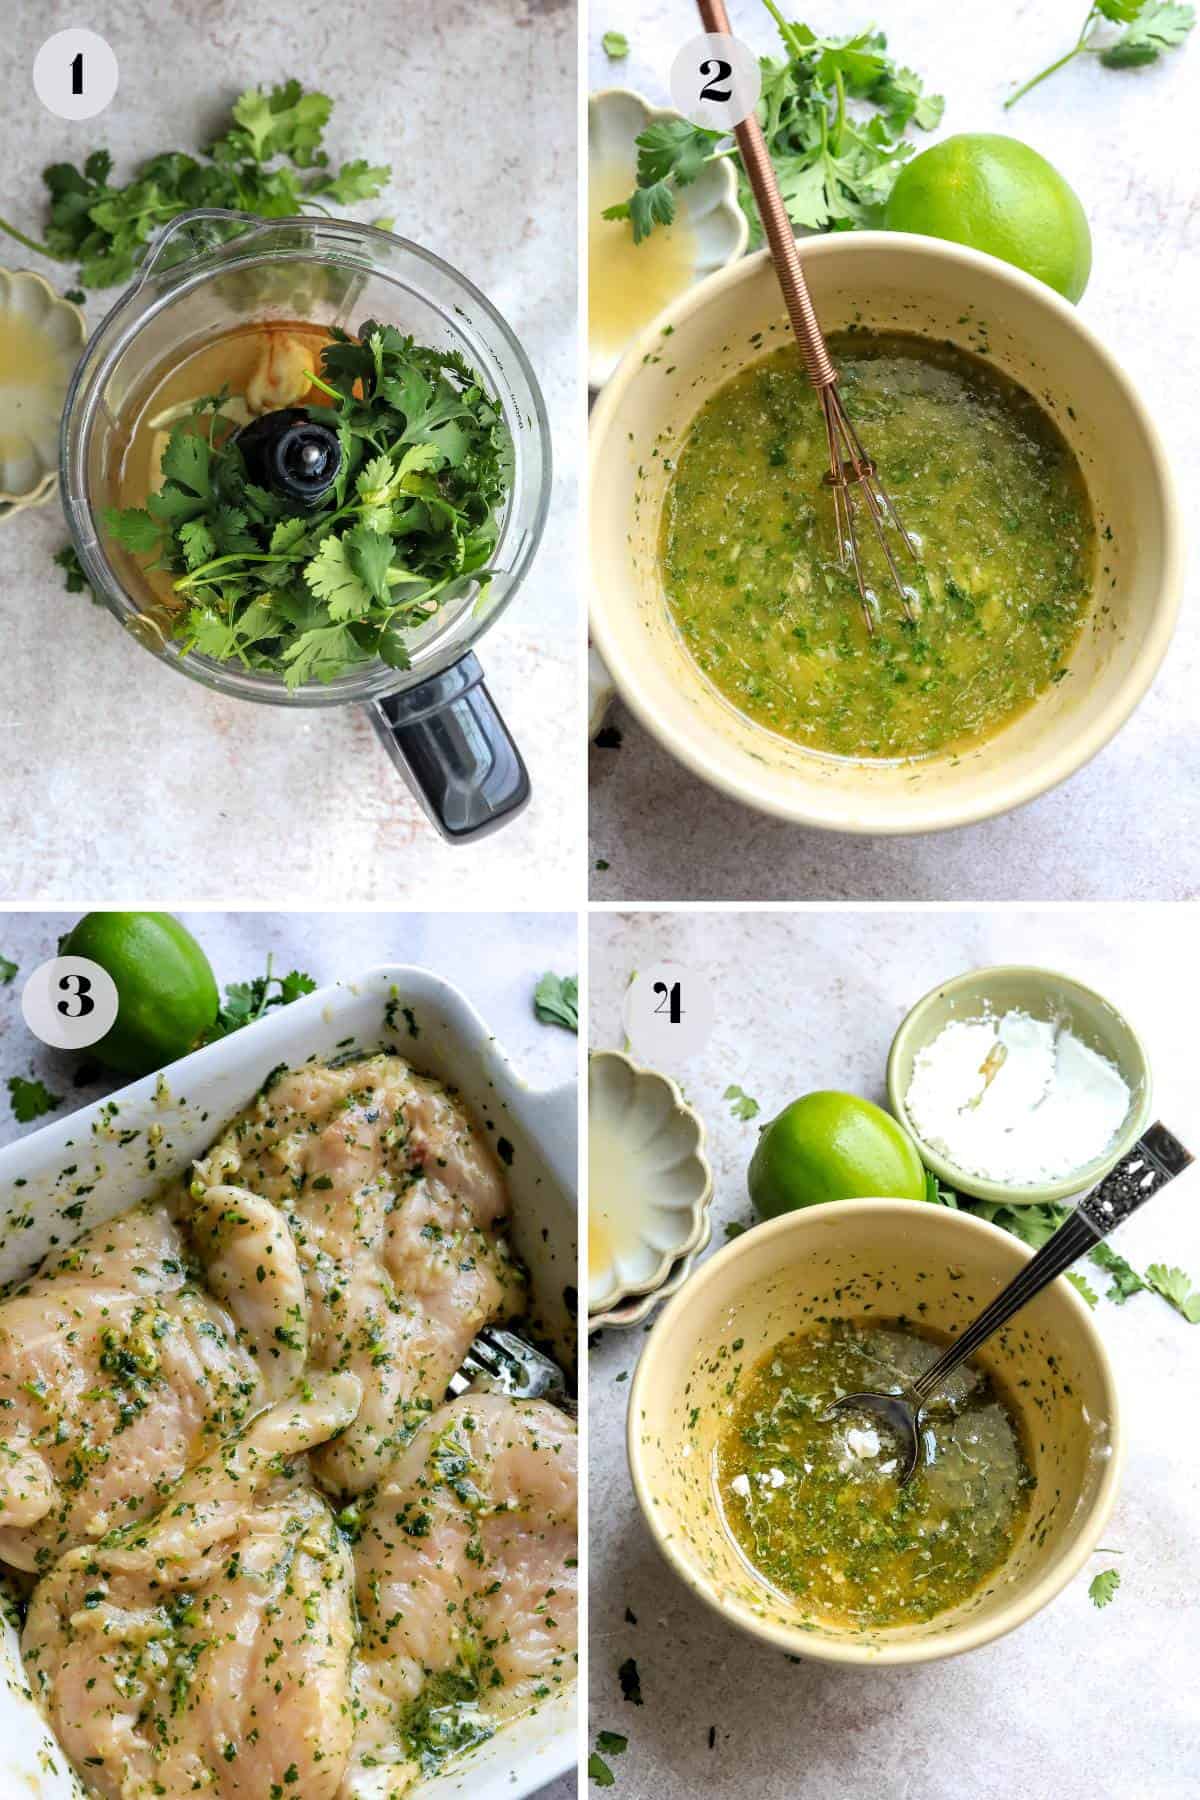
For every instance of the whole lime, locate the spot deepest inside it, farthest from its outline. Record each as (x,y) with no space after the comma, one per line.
(166,990)
(831,1146)
(996,194)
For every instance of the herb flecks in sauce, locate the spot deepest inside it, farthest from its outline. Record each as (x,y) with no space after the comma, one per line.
(981,477)
(815,1503)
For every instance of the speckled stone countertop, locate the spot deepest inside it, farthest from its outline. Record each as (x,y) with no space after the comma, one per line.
(1124,141)
(122,781)
(1078,1703)
(496,959)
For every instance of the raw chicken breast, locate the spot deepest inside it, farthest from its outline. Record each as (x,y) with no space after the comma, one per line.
(116,1372)
(208,1649)
(466,1582)
(396,1206)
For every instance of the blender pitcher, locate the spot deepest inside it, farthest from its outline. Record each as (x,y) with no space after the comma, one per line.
(210,271)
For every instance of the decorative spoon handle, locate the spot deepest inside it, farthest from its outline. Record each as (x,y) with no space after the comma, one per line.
(760,173)
(1155,1159)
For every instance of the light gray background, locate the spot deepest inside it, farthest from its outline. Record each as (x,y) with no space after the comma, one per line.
(120,778)
(495,959)
(1126,143)
(1079,1704)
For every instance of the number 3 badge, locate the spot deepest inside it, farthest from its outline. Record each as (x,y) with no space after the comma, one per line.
(70,1002)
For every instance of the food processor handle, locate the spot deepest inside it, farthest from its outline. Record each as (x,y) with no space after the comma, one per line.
(453,749)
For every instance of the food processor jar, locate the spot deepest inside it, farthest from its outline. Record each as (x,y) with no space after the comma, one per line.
(210,271)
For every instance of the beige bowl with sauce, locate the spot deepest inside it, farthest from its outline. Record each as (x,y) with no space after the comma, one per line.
(894,1257)
(887,281)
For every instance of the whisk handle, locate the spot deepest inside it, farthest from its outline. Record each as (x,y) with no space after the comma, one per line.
(778,227)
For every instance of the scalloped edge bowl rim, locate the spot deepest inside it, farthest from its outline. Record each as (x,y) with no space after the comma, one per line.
(595,380)
(47,484)
(700,1207)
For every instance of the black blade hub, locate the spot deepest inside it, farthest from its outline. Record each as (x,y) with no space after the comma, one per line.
(291,454)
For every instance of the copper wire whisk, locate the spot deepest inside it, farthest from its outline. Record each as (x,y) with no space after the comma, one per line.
(852,476)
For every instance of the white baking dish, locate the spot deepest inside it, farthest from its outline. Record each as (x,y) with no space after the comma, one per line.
(92,1165)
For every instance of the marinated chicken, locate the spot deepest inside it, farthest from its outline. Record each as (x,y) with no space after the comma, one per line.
(178,1388)
(397,1207)
(208,1649)
(466,1584)
(116,1371)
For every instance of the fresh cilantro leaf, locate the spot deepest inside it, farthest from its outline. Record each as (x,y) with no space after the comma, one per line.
(370,557)
(197,543)
(1176,1288)
(76,296)
(1125,1280)
(735,1229)
(285,122)
(631,1681)
(1104,1586)
(741,1105)
(133,529)
(1079,1283)
(615,45)
(354,181)
(331,575)
(599,1771)
(8,971)
(74,579)
(613,1743)
(186,460)
(1155,28)
(673,148)
(30,1099)
(321,655)
(556,1001)
(288,533)
(937,1193)
(1150,27)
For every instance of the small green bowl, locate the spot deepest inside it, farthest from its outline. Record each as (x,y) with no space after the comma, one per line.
(1043,994)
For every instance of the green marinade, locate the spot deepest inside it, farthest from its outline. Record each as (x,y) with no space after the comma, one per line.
(980,475)
(823,1517)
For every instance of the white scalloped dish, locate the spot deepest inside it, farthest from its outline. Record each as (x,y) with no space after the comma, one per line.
(649,1183)
(629,284)
(41,337)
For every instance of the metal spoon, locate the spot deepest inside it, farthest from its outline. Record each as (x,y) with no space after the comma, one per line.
(1155,1159)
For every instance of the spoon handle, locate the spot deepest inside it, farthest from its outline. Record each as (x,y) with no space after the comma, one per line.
(1155,1159)
(777,227)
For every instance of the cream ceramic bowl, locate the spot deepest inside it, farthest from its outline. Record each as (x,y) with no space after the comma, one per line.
(834,1260)
(888,281)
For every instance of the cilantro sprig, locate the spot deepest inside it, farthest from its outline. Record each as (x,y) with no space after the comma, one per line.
(1035,1224)
(246,1001)
(556,1001)
(106,228)
(411,521)
(1148,28)
(835,167)
(1103,1586)
(30,1099)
